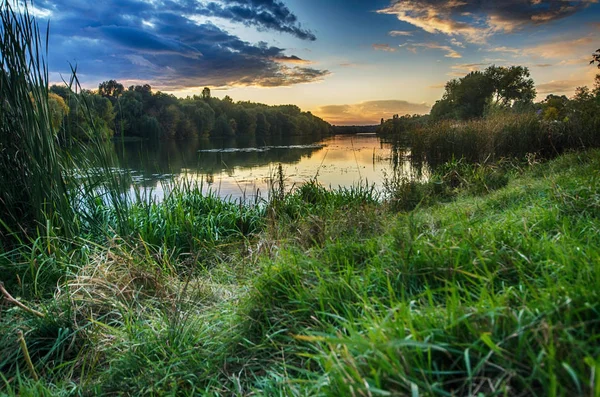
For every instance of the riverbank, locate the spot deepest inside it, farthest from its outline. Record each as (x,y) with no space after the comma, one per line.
(483,280)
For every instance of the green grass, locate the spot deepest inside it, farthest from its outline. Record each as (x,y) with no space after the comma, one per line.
(483,280)
(491,291)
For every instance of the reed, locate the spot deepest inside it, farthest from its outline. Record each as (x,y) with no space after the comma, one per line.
(32,167)
(503,135)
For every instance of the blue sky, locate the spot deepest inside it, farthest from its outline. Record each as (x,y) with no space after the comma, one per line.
(348,61)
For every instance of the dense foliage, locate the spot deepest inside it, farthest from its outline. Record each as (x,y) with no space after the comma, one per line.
(142,113)
(472,95)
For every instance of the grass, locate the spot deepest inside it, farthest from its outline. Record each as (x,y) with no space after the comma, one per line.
(31,166)
(486,291)
(482,280)
(500,136)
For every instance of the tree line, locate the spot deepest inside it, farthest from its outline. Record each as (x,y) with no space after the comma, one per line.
(501,89)
(140,112)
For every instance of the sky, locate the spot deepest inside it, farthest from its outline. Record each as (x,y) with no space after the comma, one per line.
(348,61)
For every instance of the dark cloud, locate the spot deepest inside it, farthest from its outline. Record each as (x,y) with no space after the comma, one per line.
(477,19)
(172,44)
(266,14)
(292,59)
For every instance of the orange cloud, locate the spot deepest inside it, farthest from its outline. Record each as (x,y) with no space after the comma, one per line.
(477,20)
(293,60)
(450,52)
(432,19)
(561,49)
(384,47)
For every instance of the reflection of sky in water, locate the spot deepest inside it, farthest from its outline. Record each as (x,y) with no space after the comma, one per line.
(339,161)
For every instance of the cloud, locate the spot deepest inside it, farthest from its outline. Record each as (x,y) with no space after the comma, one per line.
(286,76)
(396,33)
(173,43)
(431,16)
(450,52)
(457,43)
(505,50)
(384,47)
(370,112)
(269,14)
(560,86)
(478,19)
(561,49)
(293,59)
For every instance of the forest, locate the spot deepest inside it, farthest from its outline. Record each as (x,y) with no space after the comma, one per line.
(139,112)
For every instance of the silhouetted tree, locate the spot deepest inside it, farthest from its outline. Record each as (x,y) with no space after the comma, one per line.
(111,89)
(596,58)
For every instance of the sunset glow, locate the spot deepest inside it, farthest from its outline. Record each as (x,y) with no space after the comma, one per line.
(350,62)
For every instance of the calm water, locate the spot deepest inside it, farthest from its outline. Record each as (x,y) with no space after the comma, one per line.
(238,168)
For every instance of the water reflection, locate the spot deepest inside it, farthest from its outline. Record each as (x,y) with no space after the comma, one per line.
(241,168)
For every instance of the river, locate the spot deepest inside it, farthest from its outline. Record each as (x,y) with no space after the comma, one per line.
(243,168)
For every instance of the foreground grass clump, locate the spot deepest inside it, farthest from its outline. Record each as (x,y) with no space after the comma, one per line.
(491,291)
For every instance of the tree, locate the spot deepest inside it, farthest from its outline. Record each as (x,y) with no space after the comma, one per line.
(58,110)
(443,110)
(150,127)
(103,116)
(206,93)
(200,114)
(111,89)
(222,127)
(91,116)
(145,92)
(245,122)
(130,110)
(596,58)
(511,84)
(496,87)
(140,112)
(61,90)
(169,118)
(469,95)
(555,107)
(262,125)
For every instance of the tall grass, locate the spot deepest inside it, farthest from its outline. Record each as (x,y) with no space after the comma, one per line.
(504,135)
(32,168)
